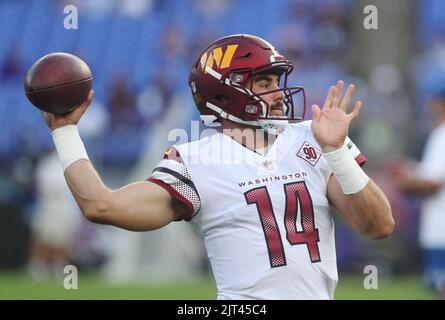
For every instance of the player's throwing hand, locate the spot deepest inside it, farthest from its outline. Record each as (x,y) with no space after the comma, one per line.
(55,121)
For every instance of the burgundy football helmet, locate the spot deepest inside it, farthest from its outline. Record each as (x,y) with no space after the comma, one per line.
(219,79)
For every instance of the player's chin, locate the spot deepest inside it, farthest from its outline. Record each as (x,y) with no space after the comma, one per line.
(277,114)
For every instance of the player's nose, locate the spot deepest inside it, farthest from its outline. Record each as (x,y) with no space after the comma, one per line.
(278,95)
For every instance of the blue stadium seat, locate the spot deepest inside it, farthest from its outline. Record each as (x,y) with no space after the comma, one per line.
(34,31)
(10,24)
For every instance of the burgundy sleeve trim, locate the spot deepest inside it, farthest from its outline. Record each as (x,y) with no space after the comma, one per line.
(361,160)
(175,194)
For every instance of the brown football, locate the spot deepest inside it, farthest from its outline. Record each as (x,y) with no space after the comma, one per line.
(58,82)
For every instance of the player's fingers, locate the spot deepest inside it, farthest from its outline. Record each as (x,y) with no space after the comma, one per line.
(345,103)
(87,102)
(89,98)
(50,120)
(47,116)
(354,114)
(338,94)
(329,97)
(316,113)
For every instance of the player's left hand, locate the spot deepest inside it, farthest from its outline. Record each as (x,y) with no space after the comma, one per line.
(330,124)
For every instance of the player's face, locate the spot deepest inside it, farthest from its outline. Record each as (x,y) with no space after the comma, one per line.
(267,82)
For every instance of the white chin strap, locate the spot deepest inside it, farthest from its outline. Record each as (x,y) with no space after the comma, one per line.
(270,126)
(273,126)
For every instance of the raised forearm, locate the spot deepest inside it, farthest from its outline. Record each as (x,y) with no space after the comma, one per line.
(371,212)
(87,187)
(140,206)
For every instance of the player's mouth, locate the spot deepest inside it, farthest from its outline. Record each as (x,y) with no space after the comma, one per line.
(276,110)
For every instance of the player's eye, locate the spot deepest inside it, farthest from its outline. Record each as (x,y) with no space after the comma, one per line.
(264,84)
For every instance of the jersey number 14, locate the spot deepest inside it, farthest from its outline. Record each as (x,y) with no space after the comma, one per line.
(297,199)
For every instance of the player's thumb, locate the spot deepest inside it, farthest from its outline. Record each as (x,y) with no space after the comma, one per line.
(89,99)
(316,112)
(75,115)
(84,106)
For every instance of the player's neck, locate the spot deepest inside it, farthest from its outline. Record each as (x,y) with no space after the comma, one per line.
(251,137)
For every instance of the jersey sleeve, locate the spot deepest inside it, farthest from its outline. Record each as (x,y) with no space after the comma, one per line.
(356,153)
(171,174)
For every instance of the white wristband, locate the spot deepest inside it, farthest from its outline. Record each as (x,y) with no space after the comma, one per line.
(69,145)
(349,174)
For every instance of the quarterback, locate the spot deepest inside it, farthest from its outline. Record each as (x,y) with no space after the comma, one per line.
(260,191)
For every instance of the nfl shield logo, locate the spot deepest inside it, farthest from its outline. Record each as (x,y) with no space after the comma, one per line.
(309,153)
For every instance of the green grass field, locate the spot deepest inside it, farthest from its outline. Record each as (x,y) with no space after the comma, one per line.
(18,286)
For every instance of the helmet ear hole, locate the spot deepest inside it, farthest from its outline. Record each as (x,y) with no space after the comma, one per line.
(221,98)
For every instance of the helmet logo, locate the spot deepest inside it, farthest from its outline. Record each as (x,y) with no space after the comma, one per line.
(216,56)
(251,109)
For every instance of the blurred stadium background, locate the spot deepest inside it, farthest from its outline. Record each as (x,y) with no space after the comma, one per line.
(140,52)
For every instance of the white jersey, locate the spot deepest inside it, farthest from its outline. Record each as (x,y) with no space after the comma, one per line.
(432,222)
(265,219)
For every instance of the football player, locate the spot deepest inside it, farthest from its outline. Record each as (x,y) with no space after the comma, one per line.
(260,201)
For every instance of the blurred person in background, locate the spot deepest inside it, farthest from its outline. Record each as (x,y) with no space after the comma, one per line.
(54,223)
(427,179)
(123,105)
(12,67)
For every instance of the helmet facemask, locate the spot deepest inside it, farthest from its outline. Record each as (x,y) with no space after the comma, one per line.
(259,111)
